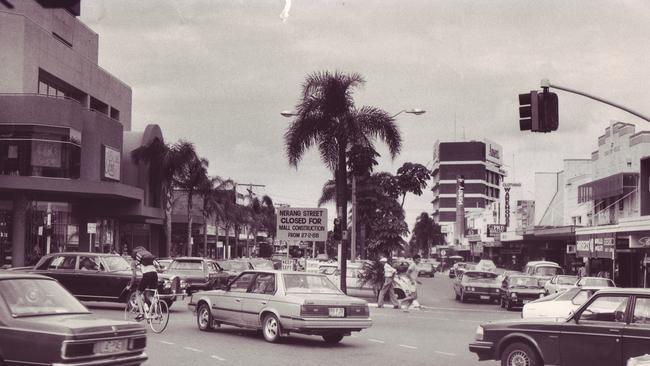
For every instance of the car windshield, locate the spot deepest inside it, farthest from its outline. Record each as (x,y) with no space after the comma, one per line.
(568,294)
(567,280)
(117,263)
(547,271)
(263,265)
(525,282)
(596,282)
(233,266)
(32,297)
(186,266)
(304,283)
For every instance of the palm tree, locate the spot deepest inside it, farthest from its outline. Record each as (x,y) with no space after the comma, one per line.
(165,165)
(193,177)
(328,118)
(426,233)
(215,198)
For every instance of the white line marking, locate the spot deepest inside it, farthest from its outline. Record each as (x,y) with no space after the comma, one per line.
(165,342)
(445,353)
(407,346)
(192,349)
(218,358)
(375,340)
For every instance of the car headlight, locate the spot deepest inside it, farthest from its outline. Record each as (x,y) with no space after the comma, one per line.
(479,333)
(183,284)
(513,295)
(541,295)
(167,283)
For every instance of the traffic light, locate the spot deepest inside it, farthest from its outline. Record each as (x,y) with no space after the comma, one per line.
(538,111)
(336,232)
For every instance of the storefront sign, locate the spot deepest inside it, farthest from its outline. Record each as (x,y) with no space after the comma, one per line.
(492,151)
(596,246)
(302,224)
(637,241)
(111,159)
(473,237)
(495,230)
(583,247)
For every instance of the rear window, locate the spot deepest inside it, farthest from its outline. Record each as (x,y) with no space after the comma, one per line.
(548,271)
(187,265)
(567,280)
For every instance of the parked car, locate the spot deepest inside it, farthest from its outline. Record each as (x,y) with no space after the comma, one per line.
(164,263)
(426,269)
(280,302)
(199,273)
(478,285)
(458,268)
(43,324)
(353,283)
(595,282)
(558,306)
(102,277)
(609,329)
(559,283)
(519,290)
(543,270)
(234,267)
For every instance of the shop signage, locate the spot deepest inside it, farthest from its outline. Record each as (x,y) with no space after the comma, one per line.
(495,230)
(571,249)
(595,247)
(507,205)
(111,159)
(302,224)
(473,237)
(492,151)
(639,241)
(510,185)
(511,236)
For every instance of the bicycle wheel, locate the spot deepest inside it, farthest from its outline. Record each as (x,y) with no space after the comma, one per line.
(131,307)
(160,317)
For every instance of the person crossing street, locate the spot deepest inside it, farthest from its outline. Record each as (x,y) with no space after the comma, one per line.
(389,275)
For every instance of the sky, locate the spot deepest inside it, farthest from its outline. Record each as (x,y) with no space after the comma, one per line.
(218,74)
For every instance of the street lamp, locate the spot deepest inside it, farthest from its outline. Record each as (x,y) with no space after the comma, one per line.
(288,114)
(416,111)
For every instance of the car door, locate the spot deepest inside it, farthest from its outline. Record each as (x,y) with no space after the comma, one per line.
(229,304)
(257,298)
(89,282)
(63,269)
(636,335)
(593,336)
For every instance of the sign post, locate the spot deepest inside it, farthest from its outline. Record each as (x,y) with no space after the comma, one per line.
(92,230)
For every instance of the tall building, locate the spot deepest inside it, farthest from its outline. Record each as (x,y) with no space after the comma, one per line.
(67,180)
(479,164)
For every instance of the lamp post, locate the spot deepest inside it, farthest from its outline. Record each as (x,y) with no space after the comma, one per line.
(353,237)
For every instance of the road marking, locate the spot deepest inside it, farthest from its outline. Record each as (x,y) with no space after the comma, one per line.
(218,358)
(407,346)
(165,342)
(432,308)
(445,353)
(192,349)
(375,340)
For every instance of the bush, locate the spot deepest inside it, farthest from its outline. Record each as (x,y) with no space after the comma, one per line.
(372,274)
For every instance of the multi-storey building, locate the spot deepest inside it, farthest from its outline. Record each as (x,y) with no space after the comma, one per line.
(479,164)
(67,180)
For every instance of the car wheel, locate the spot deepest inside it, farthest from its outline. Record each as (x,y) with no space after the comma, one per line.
(519,354)
(271,328)
(204,317)
(332,338)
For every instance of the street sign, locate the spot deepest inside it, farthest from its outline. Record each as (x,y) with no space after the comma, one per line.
(92,228)
(511,184)
(302,224)
(495,230)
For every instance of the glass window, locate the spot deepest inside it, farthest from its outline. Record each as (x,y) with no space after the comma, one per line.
(87,263)
(641,311)
(304,283)
(581,297)
(187,265)
(33,297)
(606,309)
(241,283)
(264,284)
(117,263)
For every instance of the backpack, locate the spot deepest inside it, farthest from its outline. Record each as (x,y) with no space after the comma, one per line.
(144,257)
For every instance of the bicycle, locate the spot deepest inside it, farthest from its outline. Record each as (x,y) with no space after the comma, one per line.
(156,314)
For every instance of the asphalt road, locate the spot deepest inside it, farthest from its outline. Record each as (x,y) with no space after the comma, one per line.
(437,335)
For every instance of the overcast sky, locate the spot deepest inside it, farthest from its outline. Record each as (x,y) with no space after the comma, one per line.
(218,73)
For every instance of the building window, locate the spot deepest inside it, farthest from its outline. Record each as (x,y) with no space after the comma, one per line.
(50,85)
(40,151)
(98,105)
(115,114)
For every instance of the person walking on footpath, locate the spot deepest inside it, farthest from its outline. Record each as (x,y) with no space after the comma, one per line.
(412,273)
(389,274)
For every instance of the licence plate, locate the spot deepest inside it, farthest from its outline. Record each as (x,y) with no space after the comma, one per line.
(337,312)
(485,297)
(111,346)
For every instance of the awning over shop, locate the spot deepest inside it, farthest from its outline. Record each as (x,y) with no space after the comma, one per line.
(612,186)
(555,232)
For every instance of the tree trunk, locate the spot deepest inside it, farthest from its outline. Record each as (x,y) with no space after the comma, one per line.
(237,230)
(205,237)
(362,241)
(342,204)
(168,230)
(189,224)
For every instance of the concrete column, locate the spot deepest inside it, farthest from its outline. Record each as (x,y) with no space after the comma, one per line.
(18,231)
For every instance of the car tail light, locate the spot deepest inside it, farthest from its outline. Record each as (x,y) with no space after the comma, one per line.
(357,310)
(72,350)
(137,343)
(314,310)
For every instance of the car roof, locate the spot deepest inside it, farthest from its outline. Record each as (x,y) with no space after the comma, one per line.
(479,271)
(595,278)
(87,253)
(12,275)
(623,291)
(190,259)
(535,263)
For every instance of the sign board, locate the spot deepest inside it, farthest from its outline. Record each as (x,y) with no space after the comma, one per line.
(639,241)
(510,185)
(302,224)
(111,159)
(493,151)
(92,228)
(571,249)
(495,230)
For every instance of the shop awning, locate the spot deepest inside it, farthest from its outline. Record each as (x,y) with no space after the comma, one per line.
(612,186)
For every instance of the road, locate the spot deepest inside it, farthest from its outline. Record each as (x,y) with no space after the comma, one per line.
(437,335)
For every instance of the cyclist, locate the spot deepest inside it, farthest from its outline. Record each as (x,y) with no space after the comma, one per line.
(144,259)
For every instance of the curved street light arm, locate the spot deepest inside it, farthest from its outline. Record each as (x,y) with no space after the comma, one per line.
(545,84)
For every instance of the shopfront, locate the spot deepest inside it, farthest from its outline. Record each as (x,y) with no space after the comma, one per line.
(598,252)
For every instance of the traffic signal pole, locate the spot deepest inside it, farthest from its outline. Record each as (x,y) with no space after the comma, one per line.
(547,84)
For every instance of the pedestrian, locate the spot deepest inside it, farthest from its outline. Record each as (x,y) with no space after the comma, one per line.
(412,274)
(389,274)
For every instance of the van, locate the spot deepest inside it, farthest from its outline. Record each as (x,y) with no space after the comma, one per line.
(543,269)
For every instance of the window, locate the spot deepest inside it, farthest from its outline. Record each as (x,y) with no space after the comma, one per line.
(582,297)
(87,263)
(606,309)
(64,262)
(642,311)
(264,284)
(242,282)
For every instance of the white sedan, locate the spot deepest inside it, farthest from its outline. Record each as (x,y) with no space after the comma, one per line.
(595,282)
(560,283)
(558,305)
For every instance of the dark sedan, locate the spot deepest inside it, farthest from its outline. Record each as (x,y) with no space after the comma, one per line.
(516,291)
(43,324)
(610,328)
(101,277)
(199,273)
